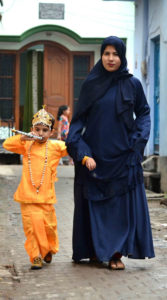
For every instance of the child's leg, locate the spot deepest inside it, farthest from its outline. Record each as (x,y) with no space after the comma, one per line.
(40,227)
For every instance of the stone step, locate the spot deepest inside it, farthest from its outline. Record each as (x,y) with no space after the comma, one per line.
(151,174)
(152,196)
(152,181)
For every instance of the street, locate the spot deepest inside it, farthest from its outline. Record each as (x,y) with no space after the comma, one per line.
(64,280)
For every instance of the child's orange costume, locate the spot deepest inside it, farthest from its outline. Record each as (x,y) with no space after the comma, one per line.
(38,213)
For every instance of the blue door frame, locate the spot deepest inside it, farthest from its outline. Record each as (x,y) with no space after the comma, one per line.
(156,95)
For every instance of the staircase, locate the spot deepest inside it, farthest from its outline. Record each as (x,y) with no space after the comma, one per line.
(151,175)
(152,180)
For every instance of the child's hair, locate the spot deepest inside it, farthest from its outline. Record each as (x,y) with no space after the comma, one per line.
(61,109)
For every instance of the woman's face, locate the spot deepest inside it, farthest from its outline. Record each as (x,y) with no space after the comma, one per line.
(110,59)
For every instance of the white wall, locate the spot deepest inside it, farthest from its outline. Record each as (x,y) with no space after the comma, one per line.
(163,80)
(88,18)
(157,26)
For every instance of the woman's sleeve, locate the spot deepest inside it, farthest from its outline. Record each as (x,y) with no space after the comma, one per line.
(142,124)
(14,144)
(76,146)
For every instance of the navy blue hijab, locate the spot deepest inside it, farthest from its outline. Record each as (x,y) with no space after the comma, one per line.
(100,80)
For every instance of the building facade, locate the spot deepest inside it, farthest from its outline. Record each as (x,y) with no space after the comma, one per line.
(47,48)
(150,67)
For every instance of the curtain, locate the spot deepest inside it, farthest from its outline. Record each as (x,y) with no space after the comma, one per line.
(28,108)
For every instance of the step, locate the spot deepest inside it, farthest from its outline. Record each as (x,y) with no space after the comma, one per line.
(152,196)
(152,174)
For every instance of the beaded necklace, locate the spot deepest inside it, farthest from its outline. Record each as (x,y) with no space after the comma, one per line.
(44,168)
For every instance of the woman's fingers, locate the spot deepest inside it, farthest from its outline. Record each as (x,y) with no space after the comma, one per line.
(90,164)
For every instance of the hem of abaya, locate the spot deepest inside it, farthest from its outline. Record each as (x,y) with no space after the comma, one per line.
(108,259)
(80,259)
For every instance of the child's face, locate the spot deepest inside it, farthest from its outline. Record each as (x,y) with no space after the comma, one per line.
(43,131)
(67,112)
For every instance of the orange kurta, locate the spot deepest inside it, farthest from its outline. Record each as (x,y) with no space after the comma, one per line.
(38,213)
(25,192)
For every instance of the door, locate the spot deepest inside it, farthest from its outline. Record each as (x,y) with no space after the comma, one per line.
(56,78)
(156,95)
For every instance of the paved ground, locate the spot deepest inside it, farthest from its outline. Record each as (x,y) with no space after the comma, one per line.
(146,279)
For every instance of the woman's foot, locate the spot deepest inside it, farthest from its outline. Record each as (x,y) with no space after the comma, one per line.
(93,260)
(37,263)
(116,264)
(48,258)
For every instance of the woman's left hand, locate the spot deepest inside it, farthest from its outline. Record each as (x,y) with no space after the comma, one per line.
(90,164)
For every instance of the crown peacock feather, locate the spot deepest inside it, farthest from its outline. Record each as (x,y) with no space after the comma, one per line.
(42,117)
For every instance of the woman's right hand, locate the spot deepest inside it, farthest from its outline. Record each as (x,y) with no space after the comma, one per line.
(90,164)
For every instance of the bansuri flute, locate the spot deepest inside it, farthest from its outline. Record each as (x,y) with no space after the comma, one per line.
(27,134)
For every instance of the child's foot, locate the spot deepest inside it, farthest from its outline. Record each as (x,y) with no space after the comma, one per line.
(37,263)
(48,258)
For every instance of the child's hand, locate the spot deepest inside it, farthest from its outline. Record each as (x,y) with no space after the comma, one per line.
(90,164)
(59,137)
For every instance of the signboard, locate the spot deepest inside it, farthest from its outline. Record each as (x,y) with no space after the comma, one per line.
(51,11)
(120,0)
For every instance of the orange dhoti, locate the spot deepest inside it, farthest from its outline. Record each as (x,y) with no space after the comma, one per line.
(40,228)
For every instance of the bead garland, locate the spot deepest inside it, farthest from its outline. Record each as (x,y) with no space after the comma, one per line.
(44,168)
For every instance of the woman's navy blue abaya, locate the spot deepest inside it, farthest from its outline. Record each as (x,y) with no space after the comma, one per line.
(111,213)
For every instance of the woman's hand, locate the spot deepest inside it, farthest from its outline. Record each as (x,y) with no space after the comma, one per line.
(90,164)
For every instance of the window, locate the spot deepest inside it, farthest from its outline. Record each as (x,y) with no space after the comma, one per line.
(7,83)
(81,70)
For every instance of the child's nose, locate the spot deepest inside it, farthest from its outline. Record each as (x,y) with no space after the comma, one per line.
(40,132)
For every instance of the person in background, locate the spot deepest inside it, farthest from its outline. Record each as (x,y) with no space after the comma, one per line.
(36,191)
(63,126)
(106,142)
(63,122)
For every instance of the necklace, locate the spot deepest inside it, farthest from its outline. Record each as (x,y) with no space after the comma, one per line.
(44,168)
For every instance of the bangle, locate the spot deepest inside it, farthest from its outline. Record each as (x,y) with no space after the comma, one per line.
(84,160)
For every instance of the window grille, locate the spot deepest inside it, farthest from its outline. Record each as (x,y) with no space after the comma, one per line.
(7,86)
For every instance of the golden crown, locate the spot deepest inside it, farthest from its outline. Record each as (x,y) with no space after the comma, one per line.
(42,117)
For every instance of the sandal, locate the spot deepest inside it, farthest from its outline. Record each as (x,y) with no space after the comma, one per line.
(93,260)
(116,264)
(36,264)
(48,258)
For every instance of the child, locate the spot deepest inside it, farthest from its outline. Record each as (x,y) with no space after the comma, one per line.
(63,126)
(63,123)
(36,192)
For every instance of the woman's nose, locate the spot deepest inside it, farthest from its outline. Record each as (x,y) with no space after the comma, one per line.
(111,57)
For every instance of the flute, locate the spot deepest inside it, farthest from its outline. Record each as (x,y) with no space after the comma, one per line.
(27,134)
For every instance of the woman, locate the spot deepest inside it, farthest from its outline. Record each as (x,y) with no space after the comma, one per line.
(107,142)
